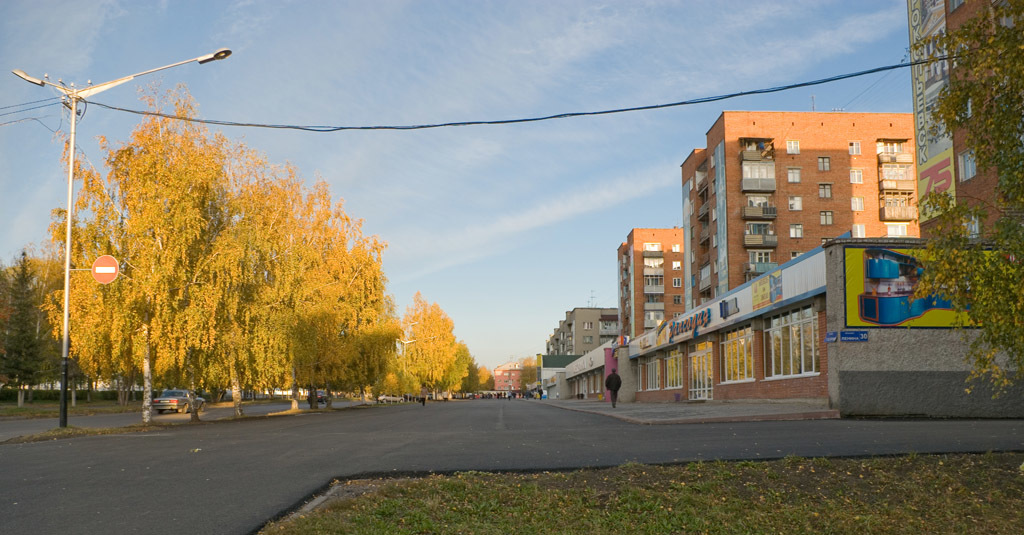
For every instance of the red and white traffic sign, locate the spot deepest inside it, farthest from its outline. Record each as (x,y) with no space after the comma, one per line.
(105,269)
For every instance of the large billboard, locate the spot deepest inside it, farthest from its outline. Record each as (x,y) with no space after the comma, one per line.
(880,286)
(934,149)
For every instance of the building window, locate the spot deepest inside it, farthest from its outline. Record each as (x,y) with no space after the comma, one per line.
(588,325)
(793,174)
(825,191)
(757,257)
(794,254)
(968,168)
(652,246)
(889,147)
(796,203)
(953,4)
(824,163)
(677,299)
(677,282)
(654,280)
(857,231)
(973,227)
(826,217)
(796,230)
(895,230)
(652,374)
(857,204)
(738,355)
(855,147)
(674,369)
(791,343)
(675,247)
(676,264)
(895,171)
(654,262)
(588,339)
(856,176)
(792,147)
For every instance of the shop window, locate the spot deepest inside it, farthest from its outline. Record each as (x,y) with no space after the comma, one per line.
(791,344)
(738,355)
(674,369)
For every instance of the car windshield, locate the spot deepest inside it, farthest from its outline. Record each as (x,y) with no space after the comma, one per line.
(173,393)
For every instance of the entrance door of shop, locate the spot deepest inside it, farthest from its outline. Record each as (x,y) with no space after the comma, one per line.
(700,371)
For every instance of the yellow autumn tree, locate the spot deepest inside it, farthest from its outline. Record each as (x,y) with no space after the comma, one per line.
(432,352)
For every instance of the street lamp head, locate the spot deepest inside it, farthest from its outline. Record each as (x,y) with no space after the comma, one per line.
(220,54)
(21,74)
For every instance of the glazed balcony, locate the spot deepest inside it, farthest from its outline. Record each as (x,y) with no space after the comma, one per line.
(760,212)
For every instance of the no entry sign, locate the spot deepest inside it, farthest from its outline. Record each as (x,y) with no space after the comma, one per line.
(105,269)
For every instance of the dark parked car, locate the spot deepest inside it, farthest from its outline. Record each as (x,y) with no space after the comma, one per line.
(177,401)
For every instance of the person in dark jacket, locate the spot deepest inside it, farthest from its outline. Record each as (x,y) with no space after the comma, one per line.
(613,383)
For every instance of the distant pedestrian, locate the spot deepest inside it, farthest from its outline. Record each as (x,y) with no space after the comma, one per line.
(423,395)
(613,383)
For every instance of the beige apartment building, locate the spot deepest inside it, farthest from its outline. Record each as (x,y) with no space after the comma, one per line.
(583,329)
(773,185)
(651,265)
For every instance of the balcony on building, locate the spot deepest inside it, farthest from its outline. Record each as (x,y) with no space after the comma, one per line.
(652,253)
(759,212)
(759,268)
(897,213)
(704,284)
(705,234)
(897,185)
(895,157)
(702,180)
(652,289)
(650,324)
(704,210)
(760,240)
(654,306)
(757,149)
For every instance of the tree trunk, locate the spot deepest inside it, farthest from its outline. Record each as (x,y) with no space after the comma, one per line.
(21,397)
(295,390)
(74,396)
(313,403)
(329,394)
(147,380)
(236,392)
(193,409)
(88,393)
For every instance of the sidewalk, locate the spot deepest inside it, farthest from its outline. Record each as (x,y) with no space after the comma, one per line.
(700,412)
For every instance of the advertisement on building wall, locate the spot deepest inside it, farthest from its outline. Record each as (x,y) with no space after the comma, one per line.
(766,290)
(934,149)
(880,285)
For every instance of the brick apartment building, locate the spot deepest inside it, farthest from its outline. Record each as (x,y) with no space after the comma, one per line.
(773,185)
(582,330)
(651,278)
(508,377)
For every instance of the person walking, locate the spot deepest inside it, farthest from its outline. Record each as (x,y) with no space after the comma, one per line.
(613,383)
(423,395)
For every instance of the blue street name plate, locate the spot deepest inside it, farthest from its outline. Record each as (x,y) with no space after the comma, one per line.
(831,337)
(853,336)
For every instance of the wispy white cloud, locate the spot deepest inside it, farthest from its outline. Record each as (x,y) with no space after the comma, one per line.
(433,251)
(41,35)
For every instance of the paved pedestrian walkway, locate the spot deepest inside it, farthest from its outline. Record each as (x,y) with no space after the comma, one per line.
(698,412)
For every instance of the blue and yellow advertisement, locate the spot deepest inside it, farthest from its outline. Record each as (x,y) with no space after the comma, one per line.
(880,285)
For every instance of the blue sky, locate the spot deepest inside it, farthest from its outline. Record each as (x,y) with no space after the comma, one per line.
(505,227)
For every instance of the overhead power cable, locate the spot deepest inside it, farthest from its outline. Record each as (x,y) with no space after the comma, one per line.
(29,103)
(701,100)
(28,109)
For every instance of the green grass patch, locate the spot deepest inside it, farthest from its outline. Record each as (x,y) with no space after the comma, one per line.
(49,409)
(950,494)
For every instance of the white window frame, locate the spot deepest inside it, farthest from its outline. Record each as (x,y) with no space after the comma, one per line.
(856,176)
(857,204)
(782,357)
(737,353)
(855,148)
(796,203)
(796,230)
(677,282)
(677,265)
(674,369)
(968,166)
(826,217)
(824,163)
(858,231)
(824,190)
(792,146)
(896,230)
(793,175)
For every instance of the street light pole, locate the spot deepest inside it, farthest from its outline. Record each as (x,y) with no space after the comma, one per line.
(74,95)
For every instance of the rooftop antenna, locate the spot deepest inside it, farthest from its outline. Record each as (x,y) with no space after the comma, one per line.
(590,304)
(812,103)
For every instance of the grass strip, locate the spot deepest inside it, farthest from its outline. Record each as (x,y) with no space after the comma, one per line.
(954,494)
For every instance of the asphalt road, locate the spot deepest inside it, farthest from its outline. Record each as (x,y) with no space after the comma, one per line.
(231,477)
